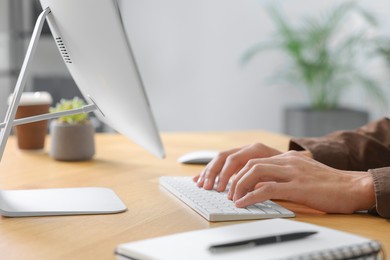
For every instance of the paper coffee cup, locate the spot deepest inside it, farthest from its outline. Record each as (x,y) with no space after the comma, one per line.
(32,136)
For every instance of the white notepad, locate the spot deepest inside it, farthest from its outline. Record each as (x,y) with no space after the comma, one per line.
(195,244)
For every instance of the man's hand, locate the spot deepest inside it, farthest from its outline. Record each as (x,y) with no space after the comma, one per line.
(230,162)
(295,177)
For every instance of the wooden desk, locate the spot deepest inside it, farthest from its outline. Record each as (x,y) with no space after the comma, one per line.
(133,174)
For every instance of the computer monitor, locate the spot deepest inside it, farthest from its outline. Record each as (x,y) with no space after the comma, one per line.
(94,46)
(92,41)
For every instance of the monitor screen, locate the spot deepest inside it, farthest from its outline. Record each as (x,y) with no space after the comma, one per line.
(95,48)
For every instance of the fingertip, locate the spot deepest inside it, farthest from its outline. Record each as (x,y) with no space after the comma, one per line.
(235,198)
(221,187)
(208,185)
(240,203)
(238,197)
(195,178)
(200,182)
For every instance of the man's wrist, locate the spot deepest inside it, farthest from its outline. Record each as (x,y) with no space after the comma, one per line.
(365,191)
(307,153)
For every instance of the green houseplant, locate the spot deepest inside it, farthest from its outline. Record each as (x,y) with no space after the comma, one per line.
(324,58)
(72,137)
(383,48)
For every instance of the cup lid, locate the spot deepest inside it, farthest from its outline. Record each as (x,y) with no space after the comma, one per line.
(33,98)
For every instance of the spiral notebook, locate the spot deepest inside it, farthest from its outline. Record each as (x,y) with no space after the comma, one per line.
(326,244)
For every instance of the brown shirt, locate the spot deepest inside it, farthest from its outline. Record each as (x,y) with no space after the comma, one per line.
(364,149)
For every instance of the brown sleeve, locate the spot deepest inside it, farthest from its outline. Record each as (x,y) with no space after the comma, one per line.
(381,179)
(365,148)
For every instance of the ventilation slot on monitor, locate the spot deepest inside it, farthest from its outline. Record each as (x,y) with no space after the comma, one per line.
(62,48)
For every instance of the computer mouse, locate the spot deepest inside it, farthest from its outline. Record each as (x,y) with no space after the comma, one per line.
(198,157)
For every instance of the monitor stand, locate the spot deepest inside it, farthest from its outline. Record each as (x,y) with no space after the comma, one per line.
(68,201)
(49,202)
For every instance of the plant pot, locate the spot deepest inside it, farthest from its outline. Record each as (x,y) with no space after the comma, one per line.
(72,142)
(306,122)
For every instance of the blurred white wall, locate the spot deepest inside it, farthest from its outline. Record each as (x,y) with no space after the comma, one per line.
(189,51)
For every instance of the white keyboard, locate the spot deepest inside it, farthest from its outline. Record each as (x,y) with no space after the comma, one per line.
(214,206)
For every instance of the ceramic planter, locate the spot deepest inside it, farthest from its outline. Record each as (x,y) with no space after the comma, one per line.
(306,122)
(72,142)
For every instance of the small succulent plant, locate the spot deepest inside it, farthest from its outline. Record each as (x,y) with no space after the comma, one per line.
(65,105)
